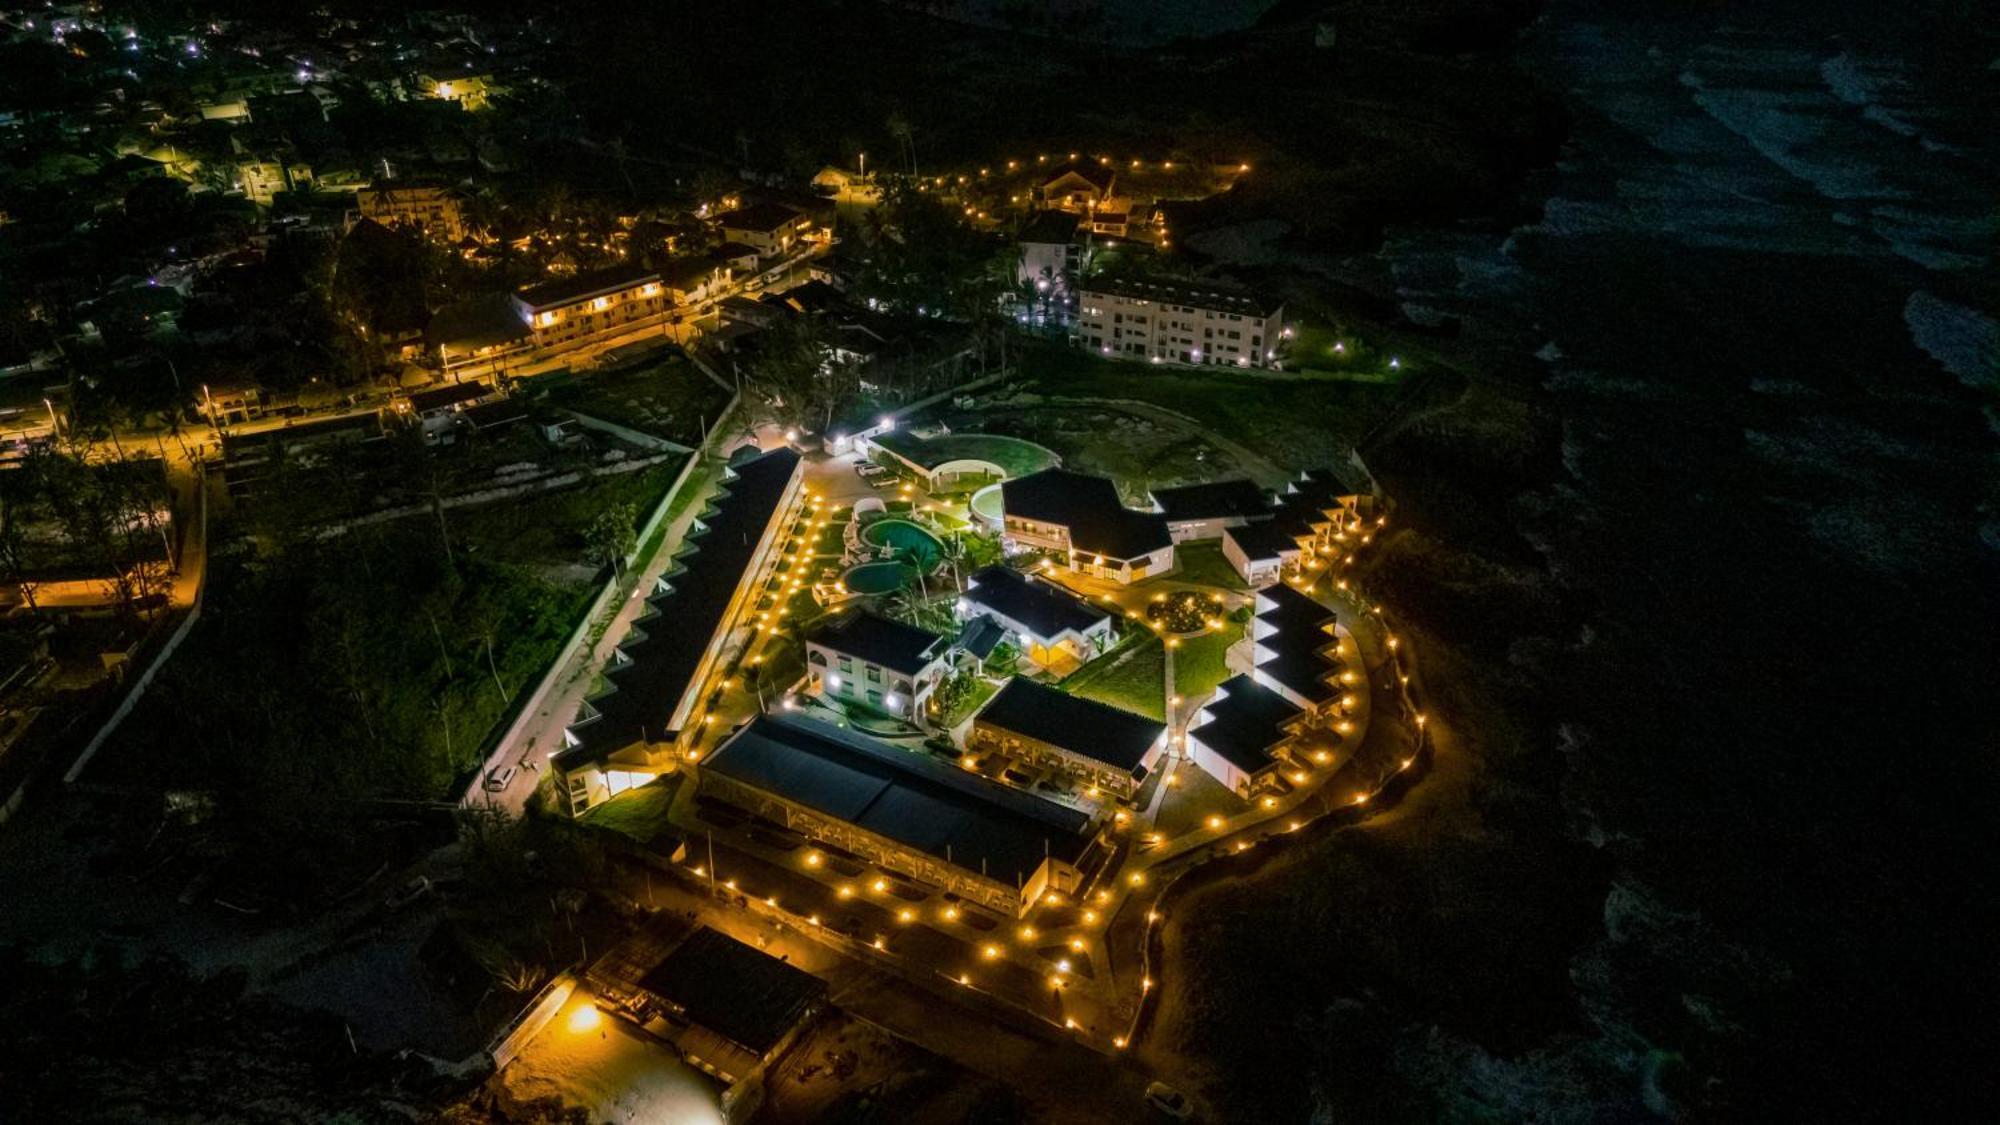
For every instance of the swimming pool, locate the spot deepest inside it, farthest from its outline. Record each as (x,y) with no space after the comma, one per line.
(877,577)
(910,542)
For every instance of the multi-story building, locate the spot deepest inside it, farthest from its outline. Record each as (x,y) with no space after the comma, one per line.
(884,665)
(437,210)
(1051,253)
(772,228)
(590,305)
(1205,323)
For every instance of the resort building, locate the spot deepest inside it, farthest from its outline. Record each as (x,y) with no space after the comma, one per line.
(576,309)
(1204,511)
(1088,189)
(1238,735)
(1293,648)
(1313,522)
(1201,323)
(1050,624)
(908,813)
(771,228)
(1051,252)
(651,717)
(1097,746)
(887,666)
(729,1009)
(436,210)
(1081,519)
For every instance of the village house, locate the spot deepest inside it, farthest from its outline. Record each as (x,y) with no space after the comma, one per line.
(887,666)
(771,228)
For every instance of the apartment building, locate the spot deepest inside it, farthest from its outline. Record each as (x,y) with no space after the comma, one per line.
(437,210)
(593,304)
(1197,323)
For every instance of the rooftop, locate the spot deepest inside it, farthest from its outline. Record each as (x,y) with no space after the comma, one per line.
(1050,227)
(478,322)
(1203,294)
(981,636)
(1223,499)
(1116,737)
(679,622)
(878,640)
(905,796)
(1306,501)
(1261,541)
(1089,507)
(1296,632)
(763,217)
(1046,610)
(1100,176)
(451,394)
(1245,721)
(735,990)
(582,287)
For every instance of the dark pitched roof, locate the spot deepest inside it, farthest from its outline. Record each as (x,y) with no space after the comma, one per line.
(451,394)
(1245,720)
(1047,610)
(1089,507)
(1112,735)
(1260,540)
(911,798)
(1295,633)
(680,621)
(762,217)
(878,640)
(1051,227)
(981,636)
(737,991)
(569,290)
(1220,499)
(1306,502)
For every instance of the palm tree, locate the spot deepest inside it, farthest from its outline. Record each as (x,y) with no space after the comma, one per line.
(906,137)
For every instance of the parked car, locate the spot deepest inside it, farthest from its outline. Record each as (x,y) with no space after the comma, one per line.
(1169,1101)
(498,780)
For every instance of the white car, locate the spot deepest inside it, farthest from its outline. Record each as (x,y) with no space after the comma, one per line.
(1169,1101)
(498,780)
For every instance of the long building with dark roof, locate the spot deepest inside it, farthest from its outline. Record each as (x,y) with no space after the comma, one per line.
(1049,623)
(1081,518)
(1294,641)
(649,715)
(902,810)
(1095,744)
(1237,735)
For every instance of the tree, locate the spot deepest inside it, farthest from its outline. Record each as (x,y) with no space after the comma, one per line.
(612,535)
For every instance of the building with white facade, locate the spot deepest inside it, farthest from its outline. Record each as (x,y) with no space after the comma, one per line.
(1194,323)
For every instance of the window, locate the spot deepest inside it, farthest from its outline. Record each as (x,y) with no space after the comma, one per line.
(847,664)
(874,676)
(874,697)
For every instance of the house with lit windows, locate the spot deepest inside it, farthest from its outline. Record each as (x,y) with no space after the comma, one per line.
(1201,323)
(1106,751)
(773,229)
(887,666)
(1082,520)
(1047,623)
(572,310)
(1088,188)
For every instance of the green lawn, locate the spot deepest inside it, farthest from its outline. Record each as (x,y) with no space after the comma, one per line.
(1199,663)
(1131,676)
(1202,562)
(1295,422)
(667,396)
(638,813)
(1015,457)
(973,701)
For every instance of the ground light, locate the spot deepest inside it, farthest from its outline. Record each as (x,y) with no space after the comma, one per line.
(585,1018)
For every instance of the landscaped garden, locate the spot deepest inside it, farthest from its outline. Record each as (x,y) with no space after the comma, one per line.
(1012,456)
(1132,675)
(1184,611)
(1200,661)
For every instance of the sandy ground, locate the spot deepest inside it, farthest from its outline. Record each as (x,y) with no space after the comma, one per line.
(612,1070)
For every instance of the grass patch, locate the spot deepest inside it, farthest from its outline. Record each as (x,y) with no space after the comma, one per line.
(1131,675)
(640,814)
(1294,422)
(1015,457)
(1199,662)
(668,397)
(1203,563)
